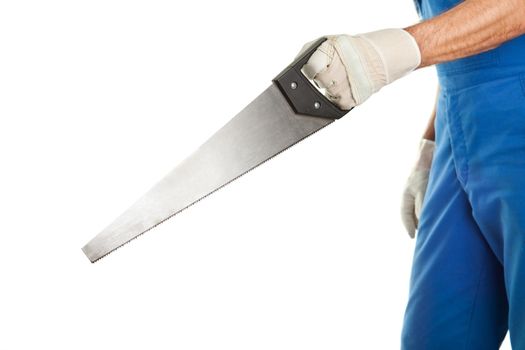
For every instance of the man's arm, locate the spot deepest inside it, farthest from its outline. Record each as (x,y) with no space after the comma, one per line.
(416,184)
(430,133)
(472,27)
(352,68)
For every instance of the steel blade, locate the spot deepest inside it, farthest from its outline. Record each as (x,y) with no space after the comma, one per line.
(260,131)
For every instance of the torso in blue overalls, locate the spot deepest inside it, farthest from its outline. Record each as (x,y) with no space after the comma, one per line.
(468,278)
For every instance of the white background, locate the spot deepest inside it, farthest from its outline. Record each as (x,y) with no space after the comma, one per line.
(99,99)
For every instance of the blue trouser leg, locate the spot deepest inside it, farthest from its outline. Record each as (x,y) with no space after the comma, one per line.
(468,277)
(457,298)
(492,117)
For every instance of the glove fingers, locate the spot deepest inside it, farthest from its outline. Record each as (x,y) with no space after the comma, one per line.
(319,61)
(337,86)
(419,204)
(326,68)
(408,214)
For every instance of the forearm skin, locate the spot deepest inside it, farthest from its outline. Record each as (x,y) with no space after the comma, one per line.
(430,133)
(472,27)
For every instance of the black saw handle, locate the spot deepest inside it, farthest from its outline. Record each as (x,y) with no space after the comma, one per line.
(302,96)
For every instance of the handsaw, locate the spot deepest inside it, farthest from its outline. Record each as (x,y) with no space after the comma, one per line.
(288,111)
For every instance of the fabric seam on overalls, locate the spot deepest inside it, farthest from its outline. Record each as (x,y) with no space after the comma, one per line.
(464,169)
(457,139)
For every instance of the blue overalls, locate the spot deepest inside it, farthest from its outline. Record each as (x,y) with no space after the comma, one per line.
(468,279)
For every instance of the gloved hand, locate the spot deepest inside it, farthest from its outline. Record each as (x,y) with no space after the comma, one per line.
(416,187)
(352,68)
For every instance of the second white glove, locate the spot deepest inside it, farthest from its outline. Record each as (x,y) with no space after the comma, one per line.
(416,187)
(352,68)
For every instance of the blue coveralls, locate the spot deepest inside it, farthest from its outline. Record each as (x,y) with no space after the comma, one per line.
(468,279)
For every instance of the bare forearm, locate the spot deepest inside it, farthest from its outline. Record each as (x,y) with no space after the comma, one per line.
(470,28)
(430,133)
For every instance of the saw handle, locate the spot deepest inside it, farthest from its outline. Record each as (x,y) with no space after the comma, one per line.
(301,94)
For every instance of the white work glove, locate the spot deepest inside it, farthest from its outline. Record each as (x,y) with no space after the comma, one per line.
(352,68)
(416,187)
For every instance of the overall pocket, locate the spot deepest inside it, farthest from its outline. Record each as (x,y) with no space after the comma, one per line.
(491,117)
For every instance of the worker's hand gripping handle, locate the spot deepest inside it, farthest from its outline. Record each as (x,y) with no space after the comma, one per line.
(302,96)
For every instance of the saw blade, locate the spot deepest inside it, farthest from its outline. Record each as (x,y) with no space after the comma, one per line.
(266,127)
